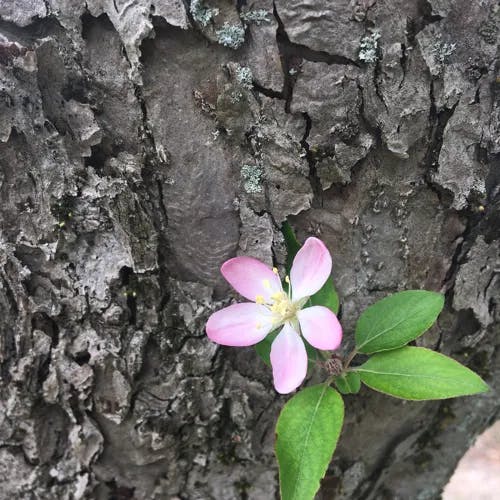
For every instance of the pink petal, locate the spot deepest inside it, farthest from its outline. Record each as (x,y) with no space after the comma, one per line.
(320,327)
(310,269)
(251,277)
(239,325)
(289,360)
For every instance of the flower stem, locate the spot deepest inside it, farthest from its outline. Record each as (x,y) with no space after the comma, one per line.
(349,358)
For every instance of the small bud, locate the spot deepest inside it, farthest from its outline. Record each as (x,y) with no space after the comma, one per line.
(333,365)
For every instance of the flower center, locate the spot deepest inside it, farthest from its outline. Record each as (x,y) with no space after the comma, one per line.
(282,308)
(280,305)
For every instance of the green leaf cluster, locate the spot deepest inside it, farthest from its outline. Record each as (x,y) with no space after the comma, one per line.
(309,425)
(413,373)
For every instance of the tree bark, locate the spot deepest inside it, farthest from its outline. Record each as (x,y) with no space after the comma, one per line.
(143,143)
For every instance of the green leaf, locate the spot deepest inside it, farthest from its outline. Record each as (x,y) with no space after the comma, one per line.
(307,432)
(291,243)
(419,374)
(348,383)
(396,320)
(327,296)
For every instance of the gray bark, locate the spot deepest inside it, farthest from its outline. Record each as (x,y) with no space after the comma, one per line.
(137,155)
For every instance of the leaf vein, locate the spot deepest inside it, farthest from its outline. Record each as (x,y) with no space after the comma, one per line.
(406,374)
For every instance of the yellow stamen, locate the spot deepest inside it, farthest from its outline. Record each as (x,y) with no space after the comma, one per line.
(287,279)
(266,283)
(259,299)
(275,270)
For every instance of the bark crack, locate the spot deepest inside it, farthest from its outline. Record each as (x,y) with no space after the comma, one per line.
(304,52)
(313,173)
(437,125)
(293,53)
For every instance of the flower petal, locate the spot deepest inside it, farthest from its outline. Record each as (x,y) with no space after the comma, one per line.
(289,360)
(251,277)
(320,327)
(239,325)
(310,269)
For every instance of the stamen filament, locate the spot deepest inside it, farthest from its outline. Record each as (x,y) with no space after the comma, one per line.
(287,279)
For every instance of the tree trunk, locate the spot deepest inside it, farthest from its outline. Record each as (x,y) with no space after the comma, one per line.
(143,143)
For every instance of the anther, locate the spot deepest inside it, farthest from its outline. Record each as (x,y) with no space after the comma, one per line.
(259,299)
(287,279)
(275,270)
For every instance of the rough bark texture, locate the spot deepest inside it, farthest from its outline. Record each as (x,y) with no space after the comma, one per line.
(142,143)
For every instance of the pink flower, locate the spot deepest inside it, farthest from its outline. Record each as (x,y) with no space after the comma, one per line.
(248,323)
